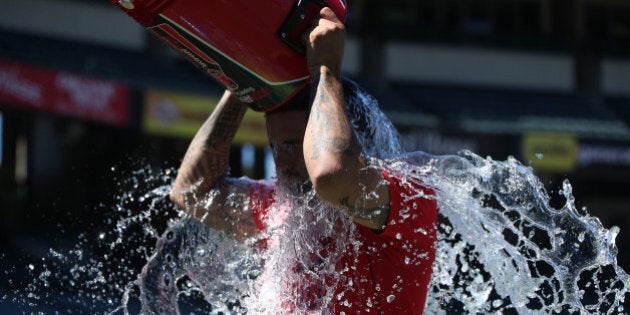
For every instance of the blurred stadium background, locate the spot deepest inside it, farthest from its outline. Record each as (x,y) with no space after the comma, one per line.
(88,96)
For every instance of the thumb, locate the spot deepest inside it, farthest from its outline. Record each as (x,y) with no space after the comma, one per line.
(328,14)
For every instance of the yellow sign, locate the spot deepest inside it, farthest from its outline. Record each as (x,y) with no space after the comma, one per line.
(550,152)
(181,115)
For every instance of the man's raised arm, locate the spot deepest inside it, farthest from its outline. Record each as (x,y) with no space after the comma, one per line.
(201,187)
(332,154)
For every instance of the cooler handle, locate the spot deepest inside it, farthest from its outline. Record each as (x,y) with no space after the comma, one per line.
(298,22)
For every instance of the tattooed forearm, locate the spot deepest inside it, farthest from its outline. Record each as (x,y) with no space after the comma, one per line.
(331,131)
(225,125)
(207,157)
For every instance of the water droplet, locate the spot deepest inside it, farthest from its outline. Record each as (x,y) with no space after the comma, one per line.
(420,230)
(127,4)
(390,298)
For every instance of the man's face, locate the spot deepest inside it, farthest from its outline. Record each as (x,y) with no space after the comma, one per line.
(286,135)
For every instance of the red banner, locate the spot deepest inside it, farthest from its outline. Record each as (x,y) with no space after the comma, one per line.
(64,93)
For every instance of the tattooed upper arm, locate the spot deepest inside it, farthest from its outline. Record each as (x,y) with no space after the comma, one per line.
(368,202)
(226,208)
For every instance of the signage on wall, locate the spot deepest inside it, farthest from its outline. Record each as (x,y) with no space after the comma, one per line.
(553,152)
(1,138)
(564,153)
(63,93)
(180,115)
(604,154)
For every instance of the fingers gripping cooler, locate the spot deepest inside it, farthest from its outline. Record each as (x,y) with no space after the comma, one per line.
(252,47)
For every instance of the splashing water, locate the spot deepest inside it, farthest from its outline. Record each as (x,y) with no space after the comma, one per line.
(501,247)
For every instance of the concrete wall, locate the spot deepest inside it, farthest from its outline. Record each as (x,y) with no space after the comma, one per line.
(99,23)
(478,67)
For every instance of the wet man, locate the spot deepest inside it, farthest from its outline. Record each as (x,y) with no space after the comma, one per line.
(386,267)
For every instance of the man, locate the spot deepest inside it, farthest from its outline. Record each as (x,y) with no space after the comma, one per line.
(384,264)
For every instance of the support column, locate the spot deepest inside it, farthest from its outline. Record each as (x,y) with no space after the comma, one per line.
(587,57)
(372,51)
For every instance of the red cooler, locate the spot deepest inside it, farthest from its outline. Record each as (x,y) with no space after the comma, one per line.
(252,47)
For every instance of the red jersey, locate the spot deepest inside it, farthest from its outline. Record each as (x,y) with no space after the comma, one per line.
(385,272)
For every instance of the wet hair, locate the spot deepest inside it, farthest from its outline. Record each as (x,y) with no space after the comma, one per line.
(375,133)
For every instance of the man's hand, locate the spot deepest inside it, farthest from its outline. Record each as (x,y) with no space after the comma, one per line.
(325,44)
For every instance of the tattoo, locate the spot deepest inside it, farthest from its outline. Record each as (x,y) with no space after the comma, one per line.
(345,202)
(224,126)
(332,130)
(207,157)
(363,213)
